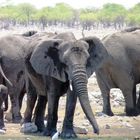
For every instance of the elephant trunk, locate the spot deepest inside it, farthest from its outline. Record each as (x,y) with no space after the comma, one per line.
(79,84)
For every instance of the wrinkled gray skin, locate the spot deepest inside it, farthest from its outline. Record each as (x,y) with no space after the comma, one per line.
(3,97)
(13,49)
(52,66)
(12,53)
(121,69)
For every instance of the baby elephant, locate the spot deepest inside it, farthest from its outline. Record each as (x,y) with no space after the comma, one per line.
(3,97)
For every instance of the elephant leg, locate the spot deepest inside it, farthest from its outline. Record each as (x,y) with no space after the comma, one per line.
(138,104)
(138,101)
(14,113)
(27,125)
(1,119)
(31,100)
(134,96)
(2,126)
(67,130)
(3,98)
(130,108)
(53,100)
(105,85)
(106,102)
(16,94)
(6,98)
(39,112)
(22,93)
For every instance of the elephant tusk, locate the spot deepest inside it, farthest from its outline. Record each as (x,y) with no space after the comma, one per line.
(71,88)
(2,73)
(55,136)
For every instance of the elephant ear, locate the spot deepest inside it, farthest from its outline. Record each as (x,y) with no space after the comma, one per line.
(98,54)
(45,59)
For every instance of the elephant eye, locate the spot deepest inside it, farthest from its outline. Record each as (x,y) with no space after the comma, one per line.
(95,55)
(66,61)
(56,43)
(45,56)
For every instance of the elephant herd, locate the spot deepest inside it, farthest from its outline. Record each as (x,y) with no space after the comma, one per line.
(46,66)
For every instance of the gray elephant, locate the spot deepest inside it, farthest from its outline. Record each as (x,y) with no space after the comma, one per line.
(52,66)
(12,52)
(121,69)
(3,98)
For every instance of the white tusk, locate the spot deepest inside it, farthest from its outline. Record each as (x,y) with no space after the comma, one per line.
(55,136)
(71,88)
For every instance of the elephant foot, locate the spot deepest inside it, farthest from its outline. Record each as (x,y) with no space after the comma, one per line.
(40,126)
(68,133)
(28,128)
(39,122)
(108,112)
(2,130)
(9,117)
(22,121)
(17,119)
(49,132)
(12,118)
(138,109)
(131,112)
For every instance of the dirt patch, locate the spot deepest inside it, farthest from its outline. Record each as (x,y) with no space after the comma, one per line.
(118,125)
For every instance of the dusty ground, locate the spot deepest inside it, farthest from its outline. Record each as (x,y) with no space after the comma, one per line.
(118,125)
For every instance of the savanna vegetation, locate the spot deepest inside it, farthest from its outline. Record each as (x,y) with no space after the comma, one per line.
(62,14)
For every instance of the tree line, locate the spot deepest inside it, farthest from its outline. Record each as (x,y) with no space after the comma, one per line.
(62,14)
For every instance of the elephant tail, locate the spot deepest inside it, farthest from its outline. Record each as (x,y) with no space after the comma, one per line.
(4,76)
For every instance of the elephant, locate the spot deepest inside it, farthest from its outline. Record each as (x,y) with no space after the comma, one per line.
(12,52)
(53,66)
(3,98)
(13,48)
(121,69)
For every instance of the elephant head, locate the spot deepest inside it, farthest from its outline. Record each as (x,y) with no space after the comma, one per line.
(98,54)
(72,60)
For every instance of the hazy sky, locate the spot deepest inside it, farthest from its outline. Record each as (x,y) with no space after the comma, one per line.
(77,3)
